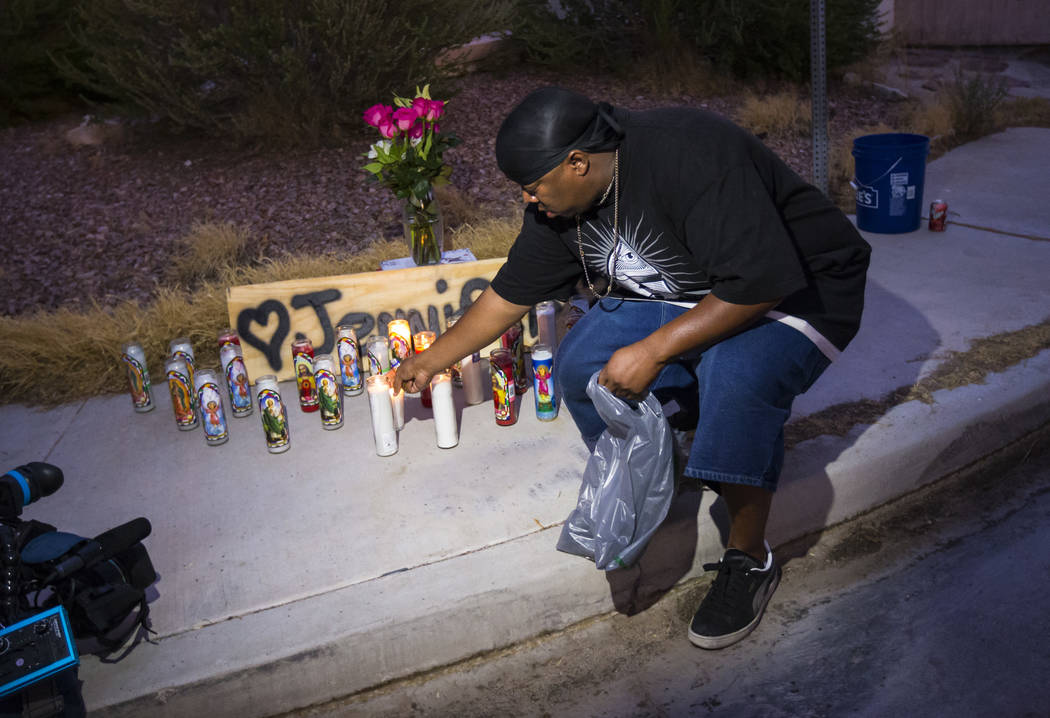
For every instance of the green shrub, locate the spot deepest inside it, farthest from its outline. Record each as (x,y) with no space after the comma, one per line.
(973,101)
(750,38)
(596,34)
(253,69)
(770,38)
(30,30)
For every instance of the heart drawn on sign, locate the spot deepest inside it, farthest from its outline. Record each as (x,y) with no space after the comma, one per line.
(261,315)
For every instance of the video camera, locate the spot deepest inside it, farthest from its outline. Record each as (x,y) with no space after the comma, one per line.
(58,587)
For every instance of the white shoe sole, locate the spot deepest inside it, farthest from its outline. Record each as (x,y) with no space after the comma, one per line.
(712,643)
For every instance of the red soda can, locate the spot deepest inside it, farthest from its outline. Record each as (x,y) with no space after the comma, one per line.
(513,339)
(303,362)
(938,215)
(501,367)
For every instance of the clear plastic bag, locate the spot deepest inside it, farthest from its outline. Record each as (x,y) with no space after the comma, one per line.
(628,482)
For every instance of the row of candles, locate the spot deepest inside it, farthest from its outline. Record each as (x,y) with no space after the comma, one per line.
(322,379)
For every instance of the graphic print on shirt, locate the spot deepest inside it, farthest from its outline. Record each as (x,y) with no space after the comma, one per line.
(644,265)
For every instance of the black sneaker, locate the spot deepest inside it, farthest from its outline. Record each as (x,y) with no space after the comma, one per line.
(735,602)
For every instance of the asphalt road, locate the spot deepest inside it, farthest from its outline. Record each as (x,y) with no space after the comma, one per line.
(933,605)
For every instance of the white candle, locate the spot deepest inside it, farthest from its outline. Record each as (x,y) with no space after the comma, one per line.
(397,402)
(377,349)
(475,381)
(382,415)
(545,313)
(444,410)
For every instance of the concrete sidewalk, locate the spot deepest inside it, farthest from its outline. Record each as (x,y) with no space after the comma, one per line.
(286,580)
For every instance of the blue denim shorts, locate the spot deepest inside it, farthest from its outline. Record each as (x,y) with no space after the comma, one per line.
(737,394)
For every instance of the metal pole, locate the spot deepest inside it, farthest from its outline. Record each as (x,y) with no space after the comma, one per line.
(818,64)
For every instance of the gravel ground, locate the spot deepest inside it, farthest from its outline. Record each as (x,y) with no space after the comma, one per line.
(100,223)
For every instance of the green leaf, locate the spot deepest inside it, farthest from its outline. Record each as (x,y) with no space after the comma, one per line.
(373,167)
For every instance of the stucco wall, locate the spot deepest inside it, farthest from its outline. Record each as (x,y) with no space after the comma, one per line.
(972,22)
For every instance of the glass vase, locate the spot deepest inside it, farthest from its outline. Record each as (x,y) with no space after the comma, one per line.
(424,229)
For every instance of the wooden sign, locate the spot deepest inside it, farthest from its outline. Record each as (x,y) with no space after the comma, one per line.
(269,316)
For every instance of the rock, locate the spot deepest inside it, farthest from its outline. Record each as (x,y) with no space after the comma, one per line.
(93,134)
(888,93)
(983,64)
(86,135)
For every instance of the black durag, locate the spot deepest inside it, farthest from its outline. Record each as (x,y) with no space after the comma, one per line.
(541,131)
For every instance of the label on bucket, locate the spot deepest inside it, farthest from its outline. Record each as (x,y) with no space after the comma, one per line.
(898,193)
(868,197)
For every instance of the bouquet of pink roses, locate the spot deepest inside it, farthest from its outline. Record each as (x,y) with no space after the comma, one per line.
(408,159)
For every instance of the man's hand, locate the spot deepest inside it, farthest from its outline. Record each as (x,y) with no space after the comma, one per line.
(487,318)
(630,371)
(412,375)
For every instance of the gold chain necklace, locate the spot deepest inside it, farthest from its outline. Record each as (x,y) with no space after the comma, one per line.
(614,186)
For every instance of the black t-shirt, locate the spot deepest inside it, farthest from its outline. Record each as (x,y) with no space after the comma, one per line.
(704,207)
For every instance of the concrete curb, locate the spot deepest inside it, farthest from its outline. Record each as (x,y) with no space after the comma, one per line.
(450,610)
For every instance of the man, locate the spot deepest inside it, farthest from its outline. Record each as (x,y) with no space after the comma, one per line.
(722,280)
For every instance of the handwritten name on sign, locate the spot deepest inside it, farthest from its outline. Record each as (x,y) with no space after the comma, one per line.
(269,316)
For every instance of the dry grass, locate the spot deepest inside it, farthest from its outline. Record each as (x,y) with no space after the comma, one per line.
(487,239)
(457,207)
(682,71)
(779,114)
(207,250)
(933,119)
(1024,112)
(90,340)
(940,120)
(985,356)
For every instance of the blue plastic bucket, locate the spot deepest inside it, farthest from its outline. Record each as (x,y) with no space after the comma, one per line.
(889,170)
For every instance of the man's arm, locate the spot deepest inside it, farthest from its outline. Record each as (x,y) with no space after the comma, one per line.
(485,320)
(631,370)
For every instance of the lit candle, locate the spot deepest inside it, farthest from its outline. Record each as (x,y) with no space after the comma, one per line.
(382,414)
(476,382)
(444,410)
(397,402)
(400,341)
(378,350)
(422,341)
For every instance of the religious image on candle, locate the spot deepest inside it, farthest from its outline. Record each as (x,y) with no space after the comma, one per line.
(400,341)
(377,349)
